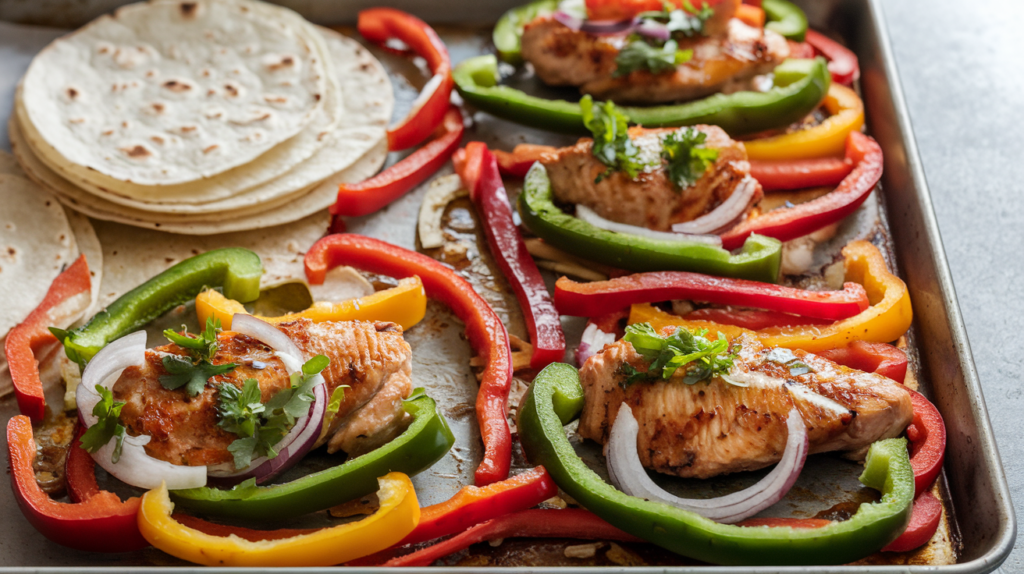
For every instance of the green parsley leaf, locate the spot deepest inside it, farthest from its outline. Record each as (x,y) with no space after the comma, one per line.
(701,358)
(109,426)
(612,145)
(243,449)
(640,55)
(687,157)
(200,348)
(193,377)
(239,409)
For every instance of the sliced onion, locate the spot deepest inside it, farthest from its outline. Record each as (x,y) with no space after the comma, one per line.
(592,341)
(596,27)
(651,29)
(629,474)
(269,334)
(568,20)
(105,368)
(725,215)
(588,215)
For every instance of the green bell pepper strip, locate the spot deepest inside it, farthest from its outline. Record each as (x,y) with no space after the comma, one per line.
(801,86)
(234,269)
(555,398)
(785,18)
(758,260)
(508,32)
(424,443)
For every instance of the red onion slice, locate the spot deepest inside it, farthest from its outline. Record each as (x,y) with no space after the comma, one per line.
(105,368)
(725,215)
(269,334)
(595,27)
(567,20)
(586,214)
(592,341)
(631,477)
(651,29)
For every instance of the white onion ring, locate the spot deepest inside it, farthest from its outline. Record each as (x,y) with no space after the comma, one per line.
(269,334)
(135,467)
(586,214)
(651,29)
(629,475)
(725,215)
(645,27)
(592,341)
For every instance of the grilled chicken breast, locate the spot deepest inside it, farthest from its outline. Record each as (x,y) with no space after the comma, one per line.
(562,56)
(373,359)
(651,200)
(715,427)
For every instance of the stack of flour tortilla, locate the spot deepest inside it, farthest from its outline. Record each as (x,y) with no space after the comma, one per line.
(201,117)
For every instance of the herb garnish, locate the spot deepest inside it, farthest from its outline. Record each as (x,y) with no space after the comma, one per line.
(612,145)
(687,20)
(109,426)
(639,55)
(259,425)
(686,156)
(193,374)
(702,358)
(786,358)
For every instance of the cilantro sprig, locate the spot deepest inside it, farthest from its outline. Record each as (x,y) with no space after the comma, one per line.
(109,426)
(638,54)
(612,145)
(193,374)
(686,156)
(701,358)
(260,426)
(686,21)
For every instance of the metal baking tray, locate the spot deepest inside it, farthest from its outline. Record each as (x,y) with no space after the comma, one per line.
(900,219)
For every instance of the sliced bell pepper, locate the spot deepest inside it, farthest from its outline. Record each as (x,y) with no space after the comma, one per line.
(601,297)
(923,523)
(841,61)
(421,445)
(378,25)
(250,534)
(234,269)
(881,358)
(823,140)
(751,319)
(779,175)
(484,329)
(786,223)
(491,200)
(785,18)
(67,297)
(472,505)
(508,32)
(751,15)
(927,435)
(776,522)
(518,162)
(536,523)
(555,397)
(800,86)
(398,515)
(100,523)
(387,186)
(405,304)
(800,49)
(758,260)
(886,320)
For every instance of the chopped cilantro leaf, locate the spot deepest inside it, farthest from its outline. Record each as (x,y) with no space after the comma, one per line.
(109,426)
(190,375)
(612,145)
(687,22)
(686,156)
(200,348)
(700,358)
(640,55)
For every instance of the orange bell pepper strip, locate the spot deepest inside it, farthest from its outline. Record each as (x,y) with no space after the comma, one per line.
(750,15)
(887,318)
(405,304)
(68,296)
(825,139)
(398,515)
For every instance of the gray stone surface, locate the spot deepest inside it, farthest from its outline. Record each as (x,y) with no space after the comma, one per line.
(962,71)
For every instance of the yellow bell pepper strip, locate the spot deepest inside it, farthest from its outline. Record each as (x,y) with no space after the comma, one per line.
(398,515)
(825,139)
(887,318)
(405,304)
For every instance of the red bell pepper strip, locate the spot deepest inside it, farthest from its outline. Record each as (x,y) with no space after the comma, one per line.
(484,328)
(800,50)
(517,162)
(841,61)
(752,319)
(102,523)
(536,523)
(927,435)
(375,193)
(792,222)
(924,521)
(67,297)
(799,173)
(600,297)
(786,522)
(514,260)
(881,358)
(378,25)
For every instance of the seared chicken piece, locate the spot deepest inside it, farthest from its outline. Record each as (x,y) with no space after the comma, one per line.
(650,200)
(562,56)
(715,427)
(366,356)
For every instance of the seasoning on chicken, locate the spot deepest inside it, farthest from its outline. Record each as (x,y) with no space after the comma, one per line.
(650,200)
(373,359)
(717,427)
(730,53)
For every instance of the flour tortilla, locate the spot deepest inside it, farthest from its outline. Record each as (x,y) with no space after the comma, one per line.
(88,245)
(9,165)
(169,92)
